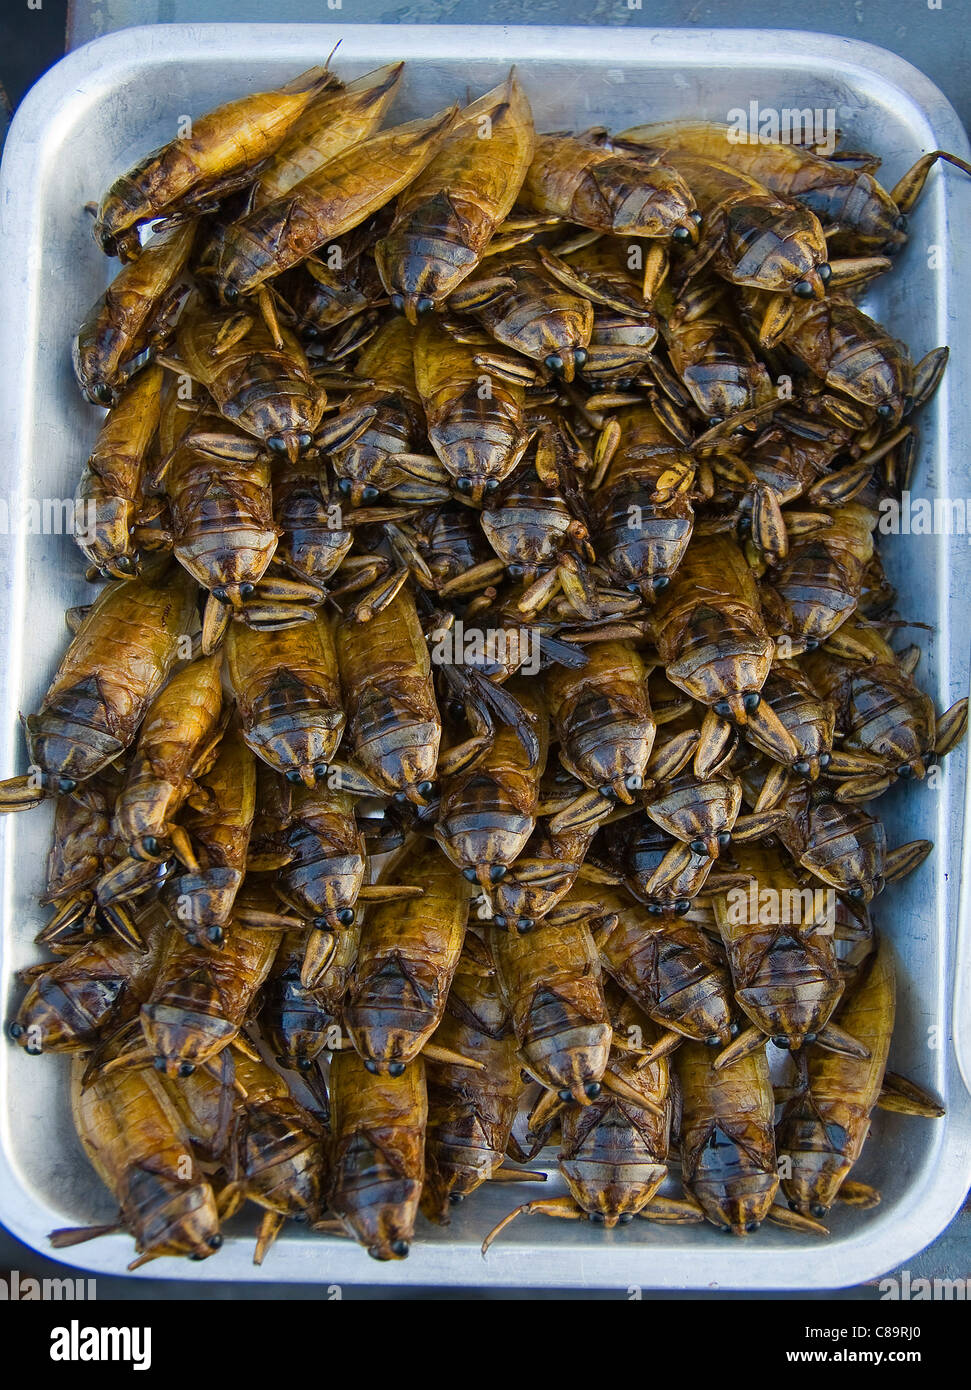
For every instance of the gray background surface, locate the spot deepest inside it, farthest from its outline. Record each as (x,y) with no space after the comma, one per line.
(936,40)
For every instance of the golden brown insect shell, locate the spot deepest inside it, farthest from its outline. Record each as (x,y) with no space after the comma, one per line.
(583,182)
(332,200)
(822,1132)
(727,1145)
(130,315)
(140,1149)
(231,138)
(289,696)
(393,720)
(116,664)
(201,998)
(470,1110)
(408,954)
(445,220)
(669,967)
(779,939)
(378,1153)
(476,423)
(488,811)
(551,981)
(602,715)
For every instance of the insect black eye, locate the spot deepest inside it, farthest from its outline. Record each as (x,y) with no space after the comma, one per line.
(625,1218)
(305,440)
(817,1209)
(369,493)
(102,394)
(696,218)
(344,487)
(592,1090)
(396,1069)
(752,700)
(524,925)
(905,770)
(294,776)
(246,589)
(698,847)
(900,223)
(802,767)
(398,303)
(812,643)
(733,1029)
(230,294)
(499,920)
(124,563)
(515,571)
(400,797)
(66,784)
(885,411)
(713,1041)
(580,356)
(655,909)
(220,594)
(681,235)
(277,443)
(752,1226)
(469,874)
(215,1242)
(464,484)
(856,891)
(714,420)
(186,1069)
(425,305)
(803,289)
(660,581)
(497,872)
(825,272)
(565,1095)
(811,1037)
(159,1063)
(682,906)
(345,916)
(150,844)
(725,838)
(825,759)
(554,362)
(371,1066)
(320,772)
(425,788)
(723,708)
(303,1063)
(780,1040)
(17,1030)
(492,484)
(607,792)
(215,935)
(908,404)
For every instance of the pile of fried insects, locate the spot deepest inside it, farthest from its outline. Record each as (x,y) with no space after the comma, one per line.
(491,631)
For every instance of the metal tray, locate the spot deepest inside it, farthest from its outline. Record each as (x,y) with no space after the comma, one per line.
(88,119)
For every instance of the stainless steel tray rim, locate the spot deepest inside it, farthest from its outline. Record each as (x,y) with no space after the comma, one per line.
(82,78)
